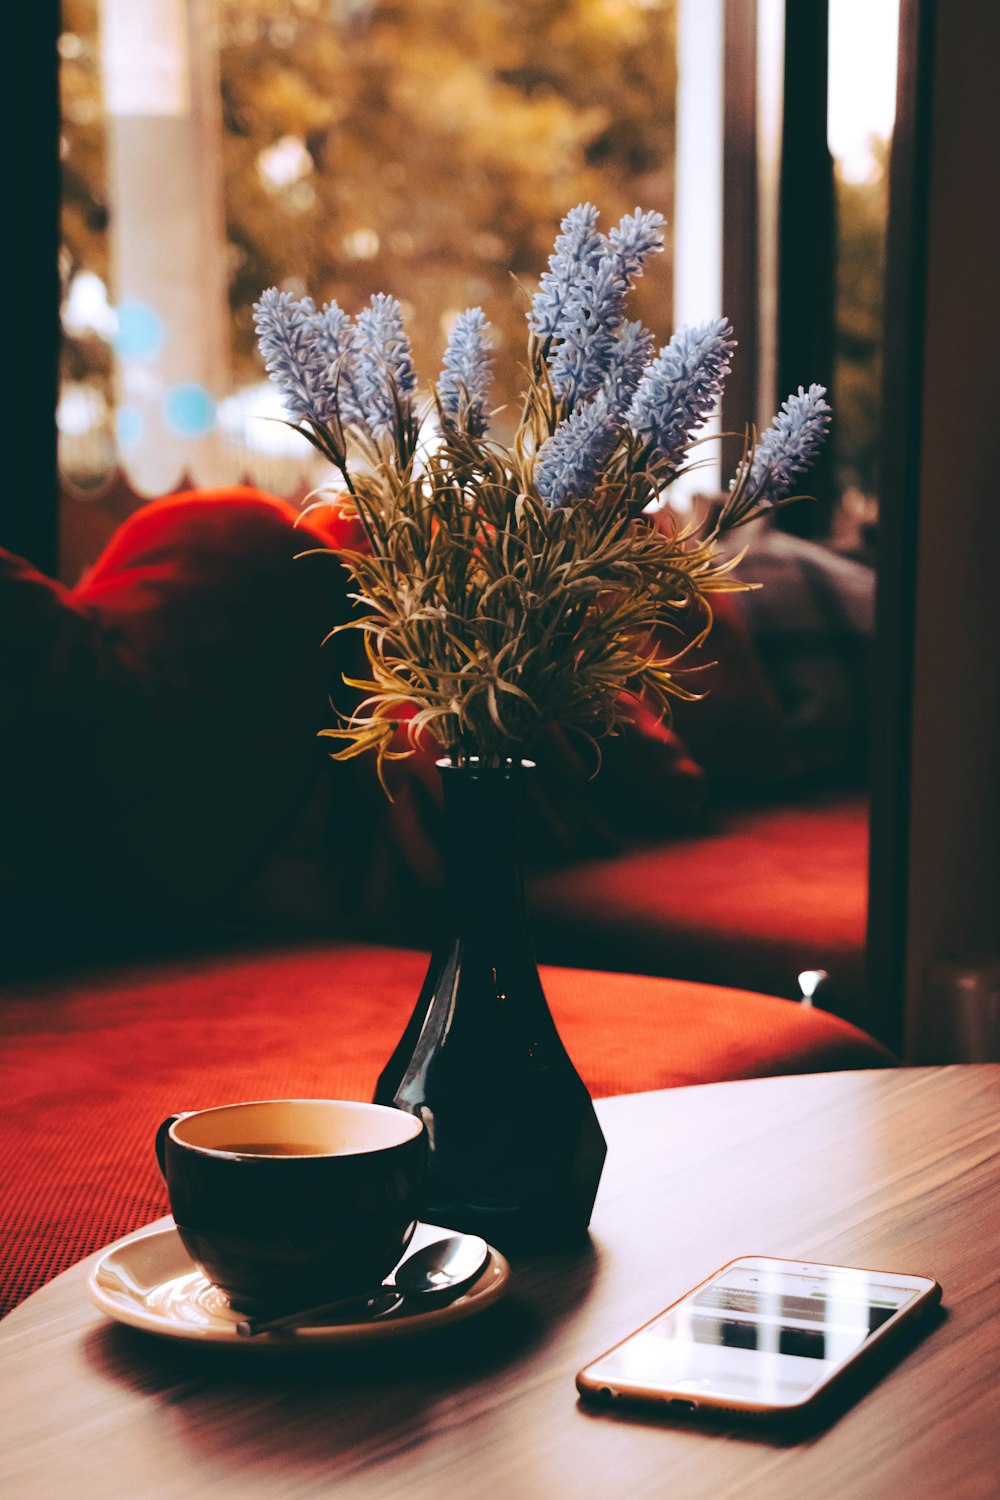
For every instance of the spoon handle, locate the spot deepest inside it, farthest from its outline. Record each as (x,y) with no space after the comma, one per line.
(248,1328)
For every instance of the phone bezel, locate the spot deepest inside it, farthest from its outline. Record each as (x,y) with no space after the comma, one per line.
(591,1388)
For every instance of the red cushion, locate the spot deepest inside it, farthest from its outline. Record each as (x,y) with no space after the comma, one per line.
(769,893)
(785,672)
(161,719)
(90,1065)
(735,730)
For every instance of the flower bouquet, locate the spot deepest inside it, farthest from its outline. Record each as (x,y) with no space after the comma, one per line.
(505,589)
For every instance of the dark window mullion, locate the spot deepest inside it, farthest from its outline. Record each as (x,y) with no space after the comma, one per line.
(806,250)
(740,260)
(899,485)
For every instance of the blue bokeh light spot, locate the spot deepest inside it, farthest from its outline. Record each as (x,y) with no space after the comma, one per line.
(188,409)
(128,425)
(140,331)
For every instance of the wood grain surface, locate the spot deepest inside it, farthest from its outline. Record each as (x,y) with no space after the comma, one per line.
(895,1171)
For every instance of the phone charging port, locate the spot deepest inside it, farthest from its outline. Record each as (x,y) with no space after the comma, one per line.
(683,1408)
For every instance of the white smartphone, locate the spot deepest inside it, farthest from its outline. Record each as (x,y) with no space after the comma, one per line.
(761,1336)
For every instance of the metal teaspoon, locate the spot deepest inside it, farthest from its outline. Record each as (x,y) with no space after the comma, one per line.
(436,1270)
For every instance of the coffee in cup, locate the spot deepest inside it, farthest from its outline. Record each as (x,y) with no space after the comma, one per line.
(292,1202)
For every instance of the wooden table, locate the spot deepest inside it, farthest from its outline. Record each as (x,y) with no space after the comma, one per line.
(898,1171)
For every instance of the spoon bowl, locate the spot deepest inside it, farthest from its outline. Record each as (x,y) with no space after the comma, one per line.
(430,1275)
(442,1267)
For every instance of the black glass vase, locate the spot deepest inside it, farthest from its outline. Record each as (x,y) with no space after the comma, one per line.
(515,1147)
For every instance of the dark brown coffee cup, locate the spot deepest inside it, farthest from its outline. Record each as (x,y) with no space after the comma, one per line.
(292,1202)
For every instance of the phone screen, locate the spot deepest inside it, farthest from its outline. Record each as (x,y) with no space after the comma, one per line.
(758,1332)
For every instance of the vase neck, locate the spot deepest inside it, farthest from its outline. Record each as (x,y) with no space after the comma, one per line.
(484,881)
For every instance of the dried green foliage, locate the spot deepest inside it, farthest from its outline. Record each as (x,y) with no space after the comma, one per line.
(489,616)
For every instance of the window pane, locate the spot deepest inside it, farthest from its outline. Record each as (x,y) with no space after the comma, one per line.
(85,410)
(424,147)
(861,116)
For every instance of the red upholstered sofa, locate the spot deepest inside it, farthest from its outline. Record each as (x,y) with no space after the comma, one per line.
(185,878)
(91,1062)
(771,878)
(158,722)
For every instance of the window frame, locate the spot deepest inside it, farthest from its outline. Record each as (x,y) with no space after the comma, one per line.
(29,509)
(29,505)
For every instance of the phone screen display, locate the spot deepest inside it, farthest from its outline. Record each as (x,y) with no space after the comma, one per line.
(757,1333)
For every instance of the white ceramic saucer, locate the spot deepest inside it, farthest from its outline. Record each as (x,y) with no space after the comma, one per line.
(149,1281)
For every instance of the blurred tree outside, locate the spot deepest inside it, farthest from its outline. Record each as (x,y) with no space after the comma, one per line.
(430,148)
(86,355)
(427,148)
(862,208)
(861,251)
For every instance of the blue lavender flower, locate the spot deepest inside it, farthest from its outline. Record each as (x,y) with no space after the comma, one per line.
(383,364)
(467,375)
(595,308)
(790,445)
(569,462)
(333,336)
(578,248)
(630,354)
(590,327)
(634,239)
(292,356)
(680,388)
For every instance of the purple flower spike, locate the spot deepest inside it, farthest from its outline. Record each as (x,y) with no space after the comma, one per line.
(578,249)
(595,308)
(570,461)
(333,335)
(292,356)
(790,445)
(680,388)
(464,386)
(383,364)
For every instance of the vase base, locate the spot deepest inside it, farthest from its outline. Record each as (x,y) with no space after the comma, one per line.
(517,1207)
(513,1233)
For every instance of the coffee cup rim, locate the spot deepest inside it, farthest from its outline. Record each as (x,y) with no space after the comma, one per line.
(416,1127)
